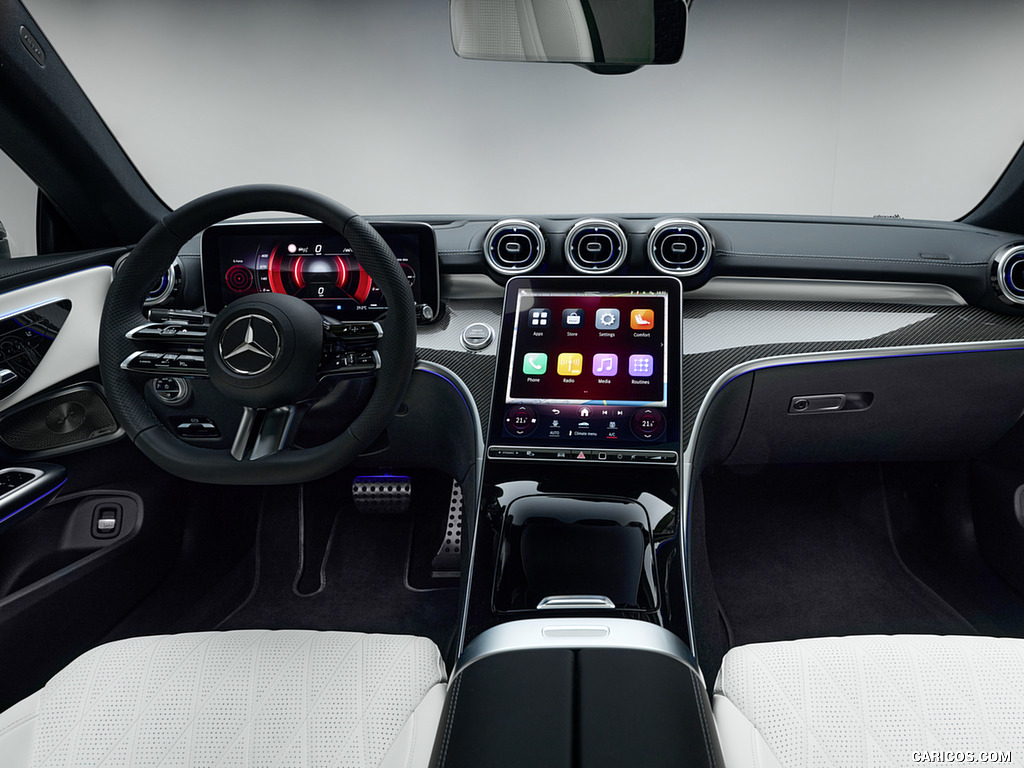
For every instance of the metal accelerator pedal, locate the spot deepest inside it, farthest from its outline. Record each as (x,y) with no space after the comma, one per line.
(446,562)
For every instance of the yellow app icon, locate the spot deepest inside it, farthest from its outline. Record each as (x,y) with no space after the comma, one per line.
(570,364)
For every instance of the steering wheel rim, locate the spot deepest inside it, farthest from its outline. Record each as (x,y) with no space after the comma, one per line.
(123,311)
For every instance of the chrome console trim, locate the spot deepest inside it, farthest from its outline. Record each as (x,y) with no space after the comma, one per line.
(573,633)
(575,602)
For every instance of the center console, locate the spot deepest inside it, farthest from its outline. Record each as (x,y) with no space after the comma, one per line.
(574,646)
(581,483)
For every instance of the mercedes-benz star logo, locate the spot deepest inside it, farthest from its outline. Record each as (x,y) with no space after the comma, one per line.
(250,345)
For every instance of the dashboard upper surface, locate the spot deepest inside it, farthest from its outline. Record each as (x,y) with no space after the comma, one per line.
(956,258)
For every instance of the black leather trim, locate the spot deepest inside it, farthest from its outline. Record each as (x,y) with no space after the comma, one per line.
(508,711)
(644,709)
(585,708)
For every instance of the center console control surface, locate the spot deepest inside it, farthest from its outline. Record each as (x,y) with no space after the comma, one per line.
(550,545)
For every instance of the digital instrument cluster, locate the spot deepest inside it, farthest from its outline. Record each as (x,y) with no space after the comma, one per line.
(314,263)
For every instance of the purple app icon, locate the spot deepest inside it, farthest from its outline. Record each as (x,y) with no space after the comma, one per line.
(641,365)
(605,365)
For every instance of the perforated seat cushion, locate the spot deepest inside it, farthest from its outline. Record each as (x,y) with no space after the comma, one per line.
(871,701)
(244,698)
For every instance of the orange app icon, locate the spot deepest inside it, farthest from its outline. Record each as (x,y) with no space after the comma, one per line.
(641,319)
(570,364)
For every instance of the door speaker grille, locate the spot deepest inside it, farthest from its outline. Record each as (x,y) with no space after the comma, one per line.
(67,418)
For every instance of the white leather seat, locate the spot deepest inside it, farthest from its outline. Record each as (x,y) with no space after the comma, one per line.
(874,700)
(242,698)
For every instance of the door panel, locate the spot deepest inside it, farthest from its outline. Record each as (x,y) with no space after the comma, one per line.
(74,350)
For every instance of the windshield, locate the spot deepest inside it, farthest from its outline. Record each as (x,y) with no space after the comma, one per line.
(821,107)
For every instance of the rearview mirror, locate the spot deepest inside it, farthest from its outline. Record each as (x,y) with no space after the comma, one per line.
(604,35)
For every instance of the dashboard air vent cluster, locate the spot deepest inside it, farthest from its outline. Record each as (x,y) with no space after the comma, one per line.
(1007,273)
(680,247)
(514,247)
(595,246)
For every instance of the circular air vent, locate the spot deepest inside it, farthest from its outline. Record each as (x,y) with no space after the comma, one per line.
(680,247)
(1007,272)
(514,247)
(163,287)
(595,246)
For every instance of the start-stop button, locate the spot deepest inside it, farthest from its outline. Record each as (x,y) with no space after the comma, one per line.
(477,336)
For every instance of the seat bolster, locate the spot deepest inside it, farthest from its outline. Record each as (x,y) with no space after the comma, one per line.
(415,742)
(18,731)
(742,744)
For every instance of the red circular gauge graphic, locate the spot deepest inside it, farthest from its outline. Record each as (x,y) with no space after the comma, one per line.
(239,279)
(365,284)
(316,276)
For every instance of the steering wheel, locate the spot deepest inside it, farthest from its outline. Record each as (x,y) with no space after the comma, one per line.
(263,352)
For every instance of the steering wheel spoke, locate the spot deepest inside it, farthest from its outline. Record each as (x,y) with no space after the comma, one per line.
(264,432)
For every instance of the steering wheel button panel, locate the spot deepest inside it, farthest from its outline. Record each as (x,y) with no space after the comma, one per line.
(169,333)
(172,390)
(154,362)
(357,332)
(350,363)
(197,427)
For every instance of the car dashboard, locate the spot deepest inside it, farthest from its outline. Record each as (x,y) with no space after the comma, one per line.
(800,341)
(759,293)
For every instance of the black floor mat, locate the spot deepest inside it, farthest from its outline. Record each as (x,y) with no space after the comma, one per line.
(806,552)
(933,522)
(363,572)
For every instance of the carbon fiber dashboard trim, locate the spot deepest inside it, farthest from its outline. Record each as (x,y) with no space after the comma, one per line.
(726,349)
(475,370)
(446,333)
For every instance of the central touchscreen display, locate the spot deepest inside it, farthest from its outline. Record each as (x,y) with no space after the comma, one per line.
(589,362)
(589,349)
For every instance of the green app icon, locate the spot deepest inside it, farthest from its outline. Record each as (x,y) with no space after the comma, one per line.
(535,363)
